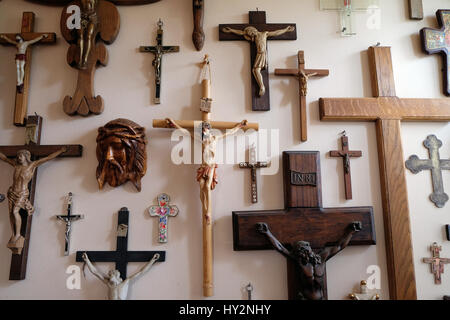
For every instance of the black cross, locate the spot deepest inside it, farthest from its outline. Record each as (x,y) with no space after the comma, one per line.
(121,256)
(447,229)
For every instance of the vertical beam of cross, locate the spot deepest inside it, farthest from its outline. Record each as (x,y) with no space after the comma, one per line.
(253,165)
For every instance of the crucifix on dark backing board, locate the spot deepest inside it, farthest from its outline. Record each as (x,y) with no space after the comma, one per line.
(33,145)
(23,60)
(121,256)
(388,111)
(258,32)
(346,154)
(303,76)
(304,218)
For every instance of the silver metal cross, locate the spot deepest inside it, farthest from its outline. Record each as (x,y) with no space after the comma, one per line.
(68,219)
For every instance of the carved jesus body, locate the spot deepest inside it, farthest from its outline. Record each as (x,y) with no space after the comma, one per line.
(20,59)
(88,30)
(260,39)
(118,288)
(18,193)
(311,265)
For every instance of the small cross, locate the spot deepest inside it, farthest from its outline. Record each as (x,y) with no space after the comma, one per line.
(253,165)
(436,165)
(158,51)
(163,210)
(346,154)
(68,219)
(437,263)
(438,41)
(303,76)
(121,256)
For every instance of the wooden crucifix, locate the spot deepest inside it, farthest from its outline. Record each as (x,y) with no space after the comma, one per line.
(253,165)
(438,41)
(304,219)
(21,194)
(415,9)
(158,51)
(198,35)
(346,8)
(303,76)
(437,263)
(346,154)
(258,32)
(121,256)
(23,42)
(68,219)
(206,174)
(388,111)
(435,164)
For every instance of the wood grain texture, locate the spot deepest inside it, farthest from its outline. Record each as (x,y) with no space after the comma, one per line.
(198,34)
(388,112)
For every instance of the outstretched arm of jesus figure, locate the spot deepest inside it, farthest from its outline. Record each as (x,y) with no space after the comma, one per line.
(92,268)
(277,33)
(236,128)
(37,39)
(235,31)
(7,160)
(52,156)
(8,39)
(330,252)
(263,228)
(145,268)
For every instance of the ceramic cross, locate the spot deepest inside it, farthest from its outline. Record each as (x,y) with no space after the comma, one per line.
(346,154)
(303,76)
(158,51)
(258,32)
(23,41)
(163,211)
(253,165)
(68,219)
(435,165)
(438,41)
(346,8)
(437,263)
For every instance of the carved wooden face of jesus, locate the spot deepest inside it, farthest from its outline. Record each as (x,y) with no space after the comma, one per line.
(121,153)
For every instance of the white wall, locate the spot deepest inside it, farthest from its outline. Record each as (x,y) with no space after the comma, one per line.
(126,84)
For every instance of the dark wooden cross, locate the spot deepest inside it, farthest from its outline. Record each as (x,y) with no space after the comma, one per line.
(252,164)
(416,9)
(438,41)
(27,33)
(435,164)
(33,145)
(437,263)
(257,19)
(346,154)
(388,111)
(304,218)
(158,51)
(198,35)
(121,256)
(303,76)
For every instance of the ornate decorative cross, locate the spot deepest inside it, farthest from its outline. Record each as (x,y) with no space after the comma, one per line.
(346,154)
(198,35)
(253,165)
(438,41)
(303,76)
(68,219)
(163,211)
(437,263)
(436,165)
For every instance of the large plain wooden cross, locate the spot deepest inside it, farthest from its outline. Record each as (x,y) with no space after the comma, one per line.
(27,34)
(257,20)
(210,173)
(303,76)
(388,111)
(304,218)
(33,145)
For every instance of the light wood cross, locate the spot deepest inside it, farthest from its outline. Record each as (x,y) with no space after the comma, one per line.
(388,111)
(29,38)
(206,174)
(303,76)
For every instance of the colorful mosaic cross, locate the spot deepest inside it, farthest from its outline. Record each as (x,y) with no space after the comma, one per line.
(163,210)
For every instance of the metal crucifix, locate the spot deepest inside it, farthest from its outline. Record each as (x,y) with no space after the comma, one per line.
(437,263)
(68,219)
(253,165)
(158,51)
(436,165)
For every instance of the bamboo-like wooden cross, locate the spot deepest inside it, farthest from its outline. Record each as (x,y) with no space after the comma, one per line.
(206,174)
(28,35)
(388,111)
(303,76)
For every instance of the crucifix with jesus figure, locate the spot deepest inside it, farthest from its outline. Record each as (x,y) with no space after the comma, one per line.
(207,173)
(21,194)
(388,111)
(304,232)
(436,262)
